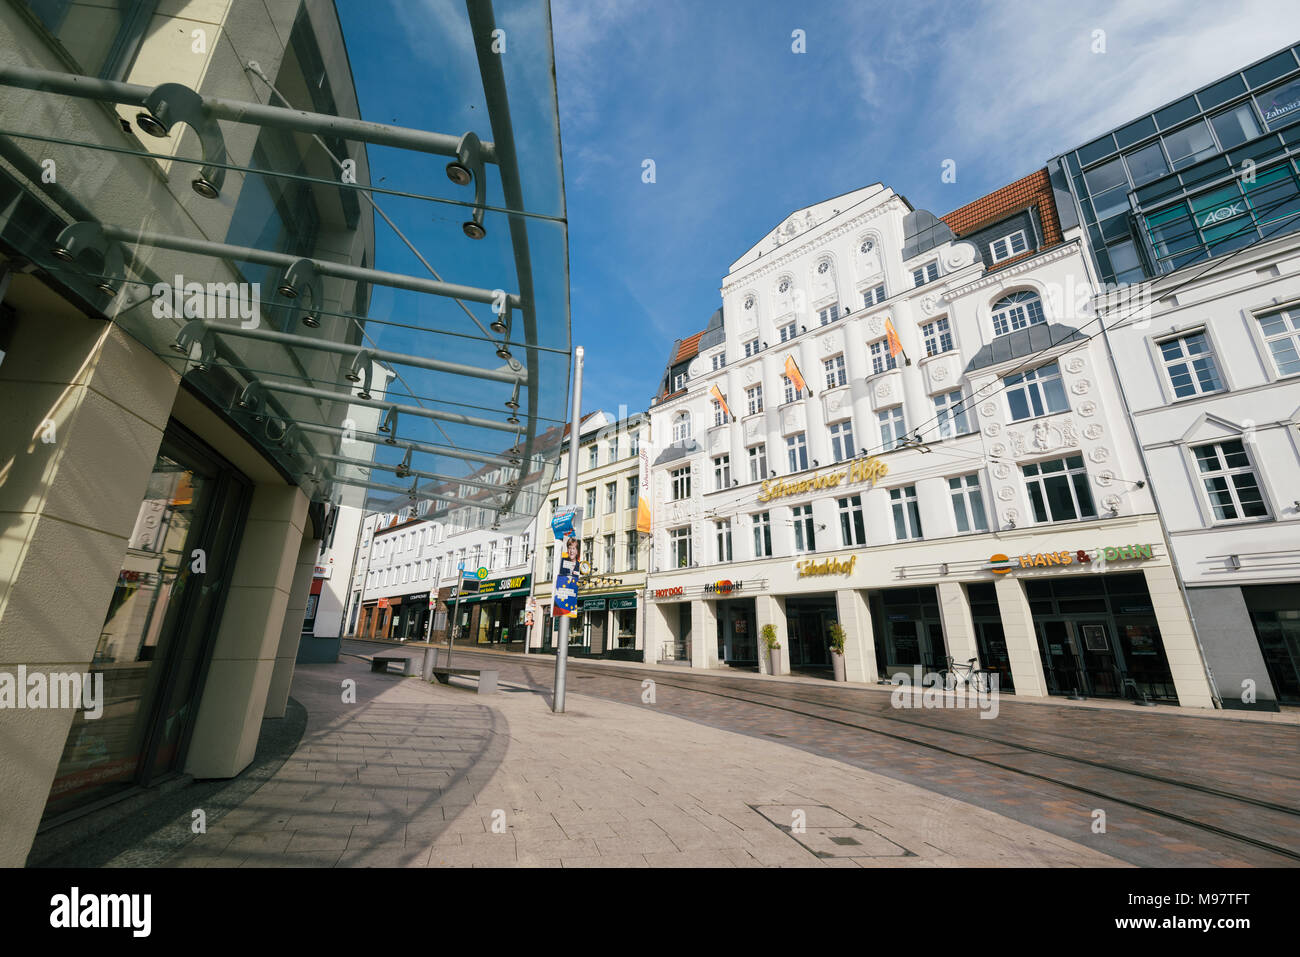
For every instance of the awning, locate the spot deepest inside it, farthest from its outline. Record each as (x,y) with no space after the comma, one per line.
(381,310)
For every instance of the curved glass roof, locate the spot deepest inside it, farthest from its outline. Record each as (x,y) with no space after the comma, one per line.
(345,228)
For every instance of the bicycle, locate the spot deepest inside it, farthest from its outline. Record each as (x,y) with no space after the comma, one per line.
(969,674)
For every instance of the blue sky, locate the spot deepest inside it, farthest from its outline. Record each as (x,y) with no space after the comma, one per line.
(742,130)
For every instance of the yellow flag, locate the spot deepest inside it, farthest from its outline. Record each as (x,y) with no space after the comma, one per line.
(717,395)
(891,334)
(794,375)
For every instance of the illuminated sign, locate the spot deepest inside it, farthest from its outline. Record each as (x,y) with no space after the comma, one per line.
(860,470)
(1001,564)
(722,587)
(828,566)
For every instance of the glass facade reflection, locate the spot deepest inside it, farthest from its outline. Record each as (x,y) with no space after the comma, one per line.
(1200,177)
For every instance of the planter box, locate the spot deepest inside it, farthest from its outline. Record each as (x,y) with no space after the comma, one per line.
(838,662)
(776,662)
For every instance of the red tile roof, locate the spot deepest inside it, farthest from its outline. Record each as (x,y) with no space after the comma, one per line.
(690,348)
(1034,190)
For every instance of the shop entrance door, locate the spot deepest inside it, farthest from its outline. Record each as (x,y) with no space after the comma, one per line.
(992,644)
(1061,664)
(1102,670)
(808,647)
(1279,639)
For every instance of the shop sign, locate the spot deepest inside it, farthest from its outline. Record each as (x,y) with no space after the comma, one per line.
(673,592)
(592,604)
(1278,106)
(504,584)
(1001,564)
(616,603)
(1219,214)
(382,603)
(868,469)
(723,587)
(322,571)
(828,566)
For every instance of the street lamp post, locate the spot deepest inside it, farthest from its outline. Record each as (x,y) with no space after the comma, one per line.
(575,427)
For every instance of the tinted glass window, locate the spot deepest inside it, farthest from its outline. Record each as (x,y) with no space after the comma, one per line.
(1189,144)
(1235,126)
(1146,164)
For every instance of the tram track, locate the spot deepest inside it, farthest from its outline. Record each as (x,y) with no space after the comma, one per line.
(774,701)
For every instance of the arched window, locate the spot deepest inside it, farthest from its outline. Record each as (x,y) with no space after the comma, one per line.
(682,427)
(1017,311)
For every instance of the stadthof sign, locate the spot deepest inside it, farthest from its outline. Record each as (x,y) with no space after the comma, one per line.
(869,469)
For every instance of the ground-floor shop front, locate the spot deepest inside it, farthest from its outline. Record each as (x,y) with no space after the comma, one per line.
(1251,635)
(397,618)
(606,625)
(1088,612)
(491,612)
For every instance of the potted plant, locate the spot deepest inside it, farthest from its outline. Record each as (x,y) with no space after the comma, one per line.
(837,649)
(776,665)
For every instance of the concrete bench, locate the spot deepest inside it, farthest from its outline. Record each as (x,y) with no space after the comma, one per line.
(381,663)
(487,679)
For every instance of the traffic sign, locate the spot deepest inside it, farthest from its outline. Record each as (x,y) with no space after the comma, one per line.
(481,574)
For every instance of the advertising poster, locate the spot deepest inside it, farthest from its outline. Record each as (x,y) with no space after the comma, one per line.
(565,601)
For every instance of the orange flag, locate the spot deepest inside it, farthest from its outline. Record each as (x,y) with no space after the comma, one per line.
(891,334)
(794,375)
(717,395)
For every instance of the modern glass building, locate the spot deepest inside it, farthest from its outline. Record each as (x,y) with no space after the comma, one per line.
(1209,173)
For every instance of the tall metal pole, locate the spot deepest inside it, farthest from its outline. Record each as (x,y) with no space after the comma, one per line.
(575,427)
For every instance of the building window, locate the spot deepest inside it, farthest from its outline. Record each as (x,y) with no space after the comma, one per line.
(842,440)
(791,393)
(591,502)
(721,472)
(907,517)
(613,450)
(1189,362)
(609,553)
(853,530)
(796,447)
(723,529)
(937,336)
(762,523)
(835,375)
(681,483)
(593,457)
(927,273)
(953,414)
(509,549)
(881,360)
(633,490)
(555,506)
(786,332)
(1017,311)
(523,548)
(968,503)
(1008,246)
(1036,392)
(634,443)
(751,348)
(1230,481)
(829,314)
(682,427)
(892,428)
(679,382)
(679,547)
(633,543)
(1058,490)
(719,360)
(804,533)
(754,394)
(1282,333)
(872,297)
(757,462)
(719,417)
(611,498)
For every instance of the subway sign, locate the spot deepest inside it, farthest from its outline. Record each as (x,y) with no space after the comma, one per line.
(860,470)
(1002,564)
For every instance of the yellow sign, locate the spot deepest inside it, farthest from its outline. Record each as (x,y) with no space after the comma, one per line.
(828,566)
(860,470)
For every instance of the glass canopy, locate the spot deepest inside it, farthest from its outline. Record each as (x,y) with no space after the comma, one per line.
(344,227)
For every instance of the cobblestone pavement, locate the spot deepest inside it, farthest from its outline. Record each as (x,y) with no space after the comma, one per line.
(1048,766)
(419,775)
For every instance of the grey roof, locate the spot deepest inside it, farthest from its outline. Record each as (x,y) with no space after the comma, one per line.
(714,334)
(922,231)
(678,450)
(1024,342)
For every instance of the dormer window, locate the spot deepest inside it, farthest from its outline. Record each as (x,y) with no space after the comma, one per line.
(682,427)
(719,360)
(1017,311)
(679,382)
(1008,246)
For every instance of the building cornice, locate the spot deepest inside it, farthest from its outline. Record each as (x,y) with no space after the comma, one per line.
(999,276)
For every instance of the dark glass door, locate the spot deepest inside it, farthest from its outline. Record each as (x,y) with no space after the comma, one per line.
(1060,658)
(991,641)
(1096,647)
(1279,640)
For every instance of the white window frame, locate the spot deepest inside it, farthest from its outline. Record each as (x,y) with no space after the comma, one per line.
(788,331)
(719,417)
(1226,472)
(680,483)
(963,497)
(1187,360)
(874,296)
(948,421)
(1070,472)
(751,348)
(719,360)
(853,527)
(903,504)
(754,396)
(836,375)
(591,502)
(805,529)
(681,426)
(842,440)
(881,360)
(679,382)
(611,498)
(796,448)
(828,314)
(1290,318)
(926,273)
(893,427)
(677,538)
(721,471)
(762,524)
(722,537)
(1032,383)
(791,393)
(757,462)
(1008,243)
(937,336)
(1016,314)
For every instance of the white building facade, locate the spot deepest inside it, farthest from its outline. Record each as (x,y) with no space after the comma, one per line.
(976,496)
(1213,380)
